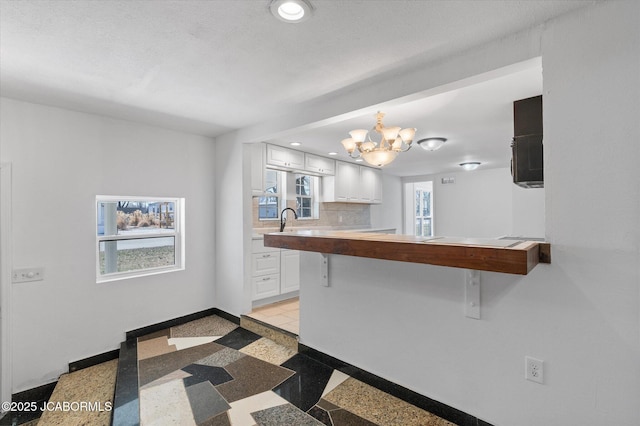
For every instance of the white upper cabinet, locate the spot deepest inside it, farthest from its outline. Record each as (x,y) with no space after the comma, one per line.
(370,185)
(353,184)
(284,157)
(320,165)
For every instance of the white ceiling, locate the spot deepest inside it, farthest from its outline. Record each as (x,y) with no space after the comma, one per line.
(209,67)
(476,120)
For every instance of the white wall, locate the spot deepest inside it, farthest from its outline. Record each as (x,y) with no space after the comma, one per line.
(233,224)
(484,204)
(580,314)
(61,159)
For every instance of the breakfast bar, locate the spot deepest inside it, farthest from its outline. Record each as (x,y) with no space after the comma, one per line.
(512,256)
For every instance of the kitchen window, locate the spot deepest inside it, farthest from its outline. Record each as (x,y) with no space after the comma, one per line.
(138,236)
(269,205)
(304,196)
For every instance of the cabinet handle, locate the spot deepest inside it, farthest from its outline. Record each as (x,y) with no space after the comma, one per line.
(266,279)
(266,255)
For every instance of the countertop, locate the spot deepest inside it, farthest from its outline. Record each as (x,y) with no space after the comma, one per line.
(258,234)
(498,255)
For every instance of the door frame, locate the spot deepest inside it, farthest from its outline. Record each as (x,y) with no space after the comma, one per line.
(6,376)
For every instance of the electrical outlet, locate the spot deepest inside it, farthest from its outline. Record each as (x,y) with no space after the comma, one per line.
(534,369)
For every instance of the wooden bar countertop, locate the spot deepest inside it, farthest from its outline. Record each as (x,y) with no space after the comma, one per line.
(510,256)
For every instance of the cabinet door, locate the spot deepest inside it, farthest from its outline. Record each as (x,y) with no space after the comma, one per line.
(296,159)
(265,263)
(376,196)
(289,271)
(265,286)
(317,164)
(283,157)
(370,185)
(347,181)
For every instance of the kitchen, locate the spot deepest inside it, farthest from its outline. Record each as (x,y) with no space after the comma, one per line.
(477,120)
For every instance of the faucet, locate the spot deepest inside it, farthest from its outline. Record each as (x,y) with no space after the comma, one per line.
(283,218)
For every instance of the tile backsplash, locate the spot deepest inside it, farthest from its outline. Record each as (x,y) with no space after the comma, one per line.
(346,215)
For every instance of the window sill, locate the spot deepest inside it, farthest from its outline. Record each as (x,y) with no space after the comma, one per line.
(137,274)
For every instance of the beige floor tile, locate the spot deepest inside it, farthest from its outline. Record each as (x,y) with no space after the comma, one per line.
(271,311)
(95,384)
(269,351)
(379,407)
(295,315)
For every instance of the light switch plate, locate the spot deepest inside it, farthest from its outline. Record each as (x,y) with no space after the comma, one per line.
(27,274)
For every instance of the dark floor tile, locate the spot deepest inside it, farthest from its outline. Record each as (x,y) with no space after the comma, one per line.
(326,405)
(304,388)
(204,373)
(153,368)
(206,402)
(219,420)
(126,405)
(284,415)
(221,358)
(251,377)
(341,417)
(162,333)
(238,338)
(321,415)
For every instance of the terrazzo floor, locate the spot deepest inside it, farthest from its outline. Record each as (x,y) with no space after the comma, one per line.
(212,372)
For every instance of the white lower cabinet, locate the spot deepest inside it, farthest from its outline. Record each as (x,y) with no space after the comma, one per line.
(266,286)
(289,271)
(274,271)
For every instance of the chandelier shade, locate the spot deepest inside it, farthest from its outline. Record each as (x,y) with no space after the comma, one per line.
(393,140)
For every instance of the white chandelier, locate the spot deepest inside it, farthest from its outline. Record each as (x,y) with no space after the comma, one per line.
(393,141)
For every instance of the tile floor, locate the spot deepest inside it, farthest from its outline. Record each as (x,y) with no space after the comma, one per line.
(212,372)
(284,315)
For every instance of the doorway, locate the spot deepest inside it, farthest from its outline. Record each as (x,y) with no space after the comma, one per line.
(418,208)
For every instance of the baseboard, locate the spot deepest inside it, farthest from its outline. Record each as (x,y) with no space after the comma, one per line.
(438,408)
(139,332)
(93,360)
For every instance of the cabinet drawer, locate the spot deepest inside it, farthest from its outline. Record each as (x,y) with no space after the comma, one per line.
(265,263)
(266,286)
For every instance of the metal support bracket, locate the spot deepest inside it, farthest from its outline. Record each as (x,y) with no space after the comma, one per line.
(472,293)
(324,272)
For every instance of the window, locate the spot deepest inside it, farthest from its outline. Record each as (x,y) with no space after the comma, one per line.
(269,206)
(304,196)
(138,236)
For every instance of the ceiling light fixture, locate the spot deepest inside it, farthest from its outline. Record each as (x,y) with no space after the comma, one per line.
(295,144)
(393,140)
(470,165)
(333,153)
(291,11)
(431,144)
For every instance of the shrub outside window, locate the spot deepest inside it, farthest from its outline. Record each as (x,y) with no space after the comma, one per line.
(138,236)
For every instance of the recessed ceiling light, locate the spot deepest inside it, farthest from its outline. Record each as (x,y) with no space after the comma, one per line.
(359,160)
(295,144)
(333,153)
(292,11)
(470,165)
